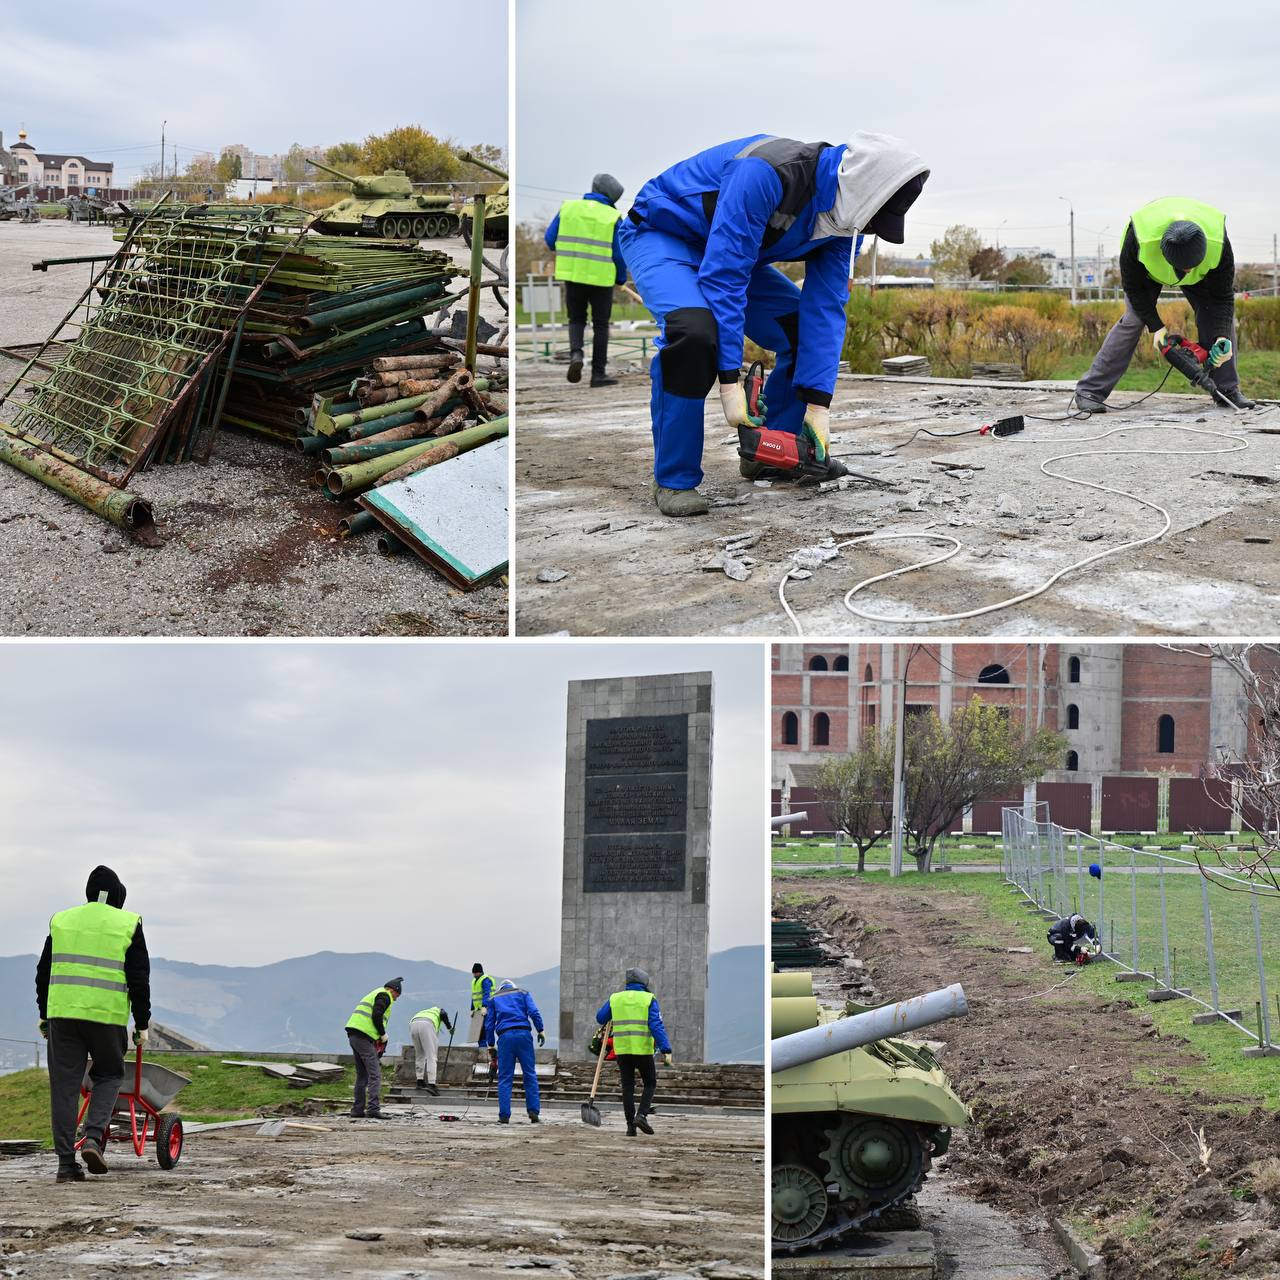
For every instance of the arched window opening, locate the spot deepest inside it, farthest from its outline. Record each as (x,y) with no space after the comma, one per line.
(841,663)
(1073,716)
(790,729)
(993,674)
(1165,735)
(817,663)
(1073,762)
(1073,671)
(822,730)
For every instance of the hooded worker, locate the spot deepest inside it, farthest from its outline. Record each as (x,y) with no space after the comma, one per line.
(700,241)
(367,1034)
(93,972)
(1068,936)
(584,235)
(509,1015)
(1171,243)
(637,1031)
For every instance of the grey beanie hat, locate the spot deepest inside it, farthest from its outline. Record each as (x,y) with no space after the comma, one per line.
(1183,246)
(605,184)
(637,975)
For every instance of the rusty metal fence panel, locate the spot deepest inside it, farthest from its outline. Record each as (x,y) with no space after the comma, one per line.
(1130,804)
(1070,803)
(1197,804)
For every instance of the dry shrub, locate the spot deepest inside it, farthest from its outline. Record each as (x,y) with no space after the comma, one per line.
(1034,341)
(1265,1178)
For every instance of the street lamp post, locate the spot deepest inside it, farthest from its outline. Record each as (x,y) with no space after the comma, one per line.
(1073,248)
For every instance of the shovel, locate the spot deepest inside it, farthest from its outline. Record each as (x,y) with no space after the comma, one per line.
(590,1112)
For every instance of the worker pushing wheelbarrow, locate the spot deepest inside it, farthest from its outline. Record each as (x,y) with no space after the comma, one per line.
(137,1117)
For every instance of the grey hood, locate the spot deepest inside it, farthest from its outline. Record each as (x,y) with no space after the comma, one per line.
(873,167)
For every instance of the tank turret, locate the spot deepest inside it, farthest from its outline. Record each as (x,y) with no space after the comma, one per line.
(497,225)
(858,1114)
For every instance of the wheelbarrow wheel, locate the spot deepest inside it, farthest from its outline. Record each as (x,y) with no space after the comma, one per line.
(169,1141)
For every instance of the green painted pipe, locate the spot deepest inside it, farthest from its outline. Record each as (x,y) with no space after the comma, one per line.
(343,421)
(362,452)
(359,475)
(361,522)
(377,426)
(125,510)
(371,307)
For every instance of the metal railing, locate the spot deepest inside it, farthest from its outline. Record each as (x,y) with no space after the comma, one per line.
(1158,918)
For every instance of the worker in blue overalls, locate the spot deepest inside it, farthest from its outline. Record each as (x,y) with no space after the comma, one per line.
(699,242)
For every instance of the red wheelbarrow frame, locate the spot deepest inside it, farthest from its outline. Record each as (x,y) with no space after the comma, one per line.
(138,1106)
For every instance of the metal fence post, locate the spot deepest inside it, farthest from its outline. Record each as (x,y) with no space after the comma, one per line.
(1262,972)
(1133,884)
(1164,923)
(1102,900)
(1208,942)
(1079,873)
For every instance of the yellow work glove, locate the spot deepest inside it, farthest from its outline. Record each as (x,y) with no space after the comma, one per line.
(1220,352)
(1157,338)
(816,429)
(733,400)
(666,1059)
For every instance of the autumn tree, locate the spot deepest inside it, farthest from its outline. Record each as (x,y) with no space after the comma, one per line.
(987,264)
(345,155)
(951,255)
(230,166)
(857,791)
(1023,270)
(295,168)
(980,751)
(423,156)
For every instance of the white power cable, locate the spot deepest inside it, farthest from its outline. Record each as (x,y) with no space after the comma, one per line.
(1236,445)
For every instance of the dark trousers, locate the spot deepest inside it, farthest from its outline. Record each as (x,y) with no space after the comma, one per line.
(599,297)
(368,1097)
(73,1043)
(628,1065)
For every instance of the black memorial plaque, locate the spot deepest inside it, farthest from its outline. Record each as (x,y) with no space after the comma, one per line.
(634,863)
(638,744)
(635,804)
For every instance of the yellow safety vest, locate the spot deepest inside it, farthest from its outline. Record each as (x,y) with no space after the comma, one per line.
(432,1015)
(630,1013)
(86,979)
(1152,221)
(477,991)
(362,1018)
(584,242)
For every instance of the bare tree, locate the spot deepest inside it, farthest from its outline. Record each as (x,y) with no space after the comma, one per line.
(857,791)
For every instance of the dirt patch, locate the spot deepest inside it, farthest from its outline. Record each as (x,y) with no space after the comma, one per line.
(1060,1124)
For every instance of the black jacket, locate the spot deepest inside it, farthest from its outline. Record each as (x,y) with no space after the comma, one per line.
(1213,298)
(137,976)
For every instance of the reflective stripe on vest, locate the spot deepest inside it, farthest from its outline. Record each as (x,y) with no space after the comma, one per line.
(1152,220)
(477,991)
(630,1013)
(584,242)
(86,975)
(432,1015)
(362,1018)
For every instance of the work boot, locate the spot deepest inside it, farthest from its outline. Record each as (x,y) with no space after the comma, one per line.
(355,1115)
(631,1131)
(1087,403)
(642,1123)
(70,1173)
(504,1119)
(680,502)
(533,1118)
(433,1090)
(1238,399)
(91,1154)
(421,1084)
(603,380)
(575,366)
(374,1115)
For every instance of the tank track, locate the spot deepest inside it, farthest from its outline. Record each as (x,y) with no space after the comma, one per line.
(841,1222)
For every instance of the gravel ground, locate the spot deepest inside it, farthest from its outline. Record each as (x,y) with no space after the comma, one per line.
(250,549)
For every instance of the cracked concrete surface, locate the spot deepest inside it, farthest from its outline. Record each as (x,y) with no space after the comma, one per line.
(584,508)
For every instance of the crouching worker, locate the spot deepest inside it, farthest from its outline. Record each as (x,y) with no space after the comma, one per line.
(1171,243)
(1072,935)
(367,1036)
(700,241)
(93,971)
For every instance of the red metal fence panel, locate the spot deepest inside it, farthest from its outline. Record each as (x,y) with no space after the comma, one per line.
(1199,805)
(1130,804)
(1070,803)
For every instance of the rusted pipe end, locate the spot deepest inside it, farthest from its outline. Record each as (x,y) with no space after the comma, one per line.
(333,483)
(141,522)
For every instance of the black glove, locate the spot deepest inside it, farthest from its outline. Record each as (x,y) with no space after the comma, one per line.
(542,1039)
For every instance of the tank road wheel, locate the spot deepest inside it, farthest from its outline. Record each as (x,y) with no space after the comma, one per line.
(404,228)
(421,228)
(799,1203)
(874,1160)
(387,228)
(169,1141)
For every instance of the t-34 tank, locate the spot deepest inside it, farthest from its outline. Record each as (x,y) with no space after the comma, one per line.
(386,205)
(858,1114)
(496,206)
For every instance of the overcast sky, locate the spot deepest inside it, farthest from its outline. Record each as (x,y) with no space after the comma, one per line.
(99,79)
(265,801)
(1011,104)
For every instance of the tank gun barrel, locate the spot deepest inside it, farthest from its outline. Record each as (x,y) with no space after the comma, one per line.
(783,818)
(863,1028)
(467,158)
(328,168)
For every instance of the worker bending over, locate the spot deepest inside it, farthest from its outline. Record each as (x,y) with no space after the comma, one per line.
(424,1029)
(637,1029)
(367,1036)
(1070,935)
(511,1012)
(1173,242)
(700,241)
(584,235)
(93,971)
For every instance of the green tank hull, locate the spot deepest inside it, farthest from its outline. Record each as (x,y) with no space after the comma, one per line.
(855,1132)
(496,225)
(386,205)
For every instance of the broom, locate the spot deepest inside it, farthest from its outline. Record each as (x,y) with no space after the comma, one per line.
(590,1112)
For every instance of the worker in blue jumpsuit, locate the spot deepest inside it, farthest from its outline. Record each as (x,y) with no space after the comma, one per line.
(509,1014)
(700,241)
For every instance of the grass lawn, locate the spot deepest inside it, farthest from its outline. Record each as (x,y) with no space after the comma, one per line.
(621,312)
(1259,374)
(1225,1072)
(955,850)
(215,1093)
